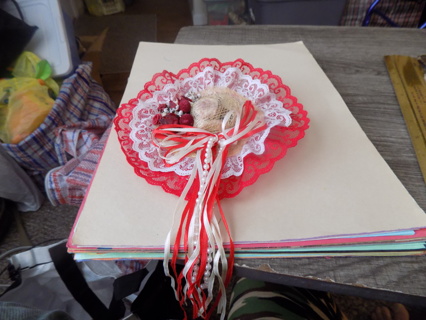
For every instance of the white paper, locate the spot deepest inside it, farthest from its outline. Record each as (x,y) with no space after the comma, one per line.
(334,182)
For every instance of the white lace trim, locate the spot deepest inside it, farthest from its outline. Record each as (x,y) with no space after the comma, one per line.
(142,126)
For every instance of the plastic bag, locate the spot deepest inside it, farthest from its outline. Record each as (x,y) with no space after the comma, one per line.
(26,99)
(79,117)
(29,65)
(38,284)
(27,109)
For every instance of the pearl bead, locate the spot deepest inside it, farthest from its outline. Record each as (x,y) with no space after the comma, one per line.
(209,259)
(206,167)
(208,267)
(193,279)
(196,268)
(206,279)
(209,250)
(207,273)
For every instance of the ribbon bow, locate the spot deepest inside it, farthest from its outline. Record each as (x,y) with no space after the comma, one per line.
(198,228)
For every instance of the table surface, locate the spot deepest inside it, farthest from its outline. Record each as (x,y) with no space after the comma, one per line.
(353,59)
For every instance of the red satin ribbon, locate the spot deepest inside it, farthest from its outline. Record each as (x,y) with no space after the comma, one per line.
(172,138)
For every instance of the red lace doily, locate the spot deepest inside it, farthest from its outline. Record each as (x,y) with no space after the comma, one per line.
(279,140)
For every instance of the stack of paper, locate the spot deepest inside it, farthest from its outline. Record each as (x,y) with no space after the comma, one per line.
(331,195)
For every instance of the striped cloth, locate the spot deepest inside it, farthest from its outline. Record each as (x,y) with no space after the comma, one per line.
(81,114)
(405,13)
(68,184)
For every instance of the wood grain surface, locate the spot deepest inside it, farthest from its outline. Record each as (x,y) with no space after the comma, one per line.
(353,59)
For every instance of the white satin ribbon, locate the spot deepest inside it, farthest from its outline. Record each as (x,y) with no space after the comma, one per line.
(209,173)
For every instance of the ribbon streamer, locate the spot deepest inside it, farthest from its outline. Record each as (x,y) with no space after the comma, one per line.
(197,233)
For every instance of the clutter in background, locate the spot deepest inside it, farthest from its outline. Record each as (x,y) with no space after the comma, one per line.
(386,13)
(301,12)
(81,113)
(407,14)
(81,290)
(53,112)
(59,147)
(233,12)
(102,8)
(54,38)
(84,289)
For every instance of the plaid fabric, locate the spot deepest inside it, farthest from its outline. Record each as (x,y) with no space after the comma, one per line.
(354,12)
(68,184)
(80,115)
(405,13)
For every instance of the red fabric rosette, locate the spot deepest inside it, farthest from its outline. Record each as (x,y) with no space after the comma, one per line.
(279,140)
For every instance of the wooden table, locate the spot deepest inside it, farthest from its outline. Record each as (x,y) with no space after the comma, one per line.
(352,58)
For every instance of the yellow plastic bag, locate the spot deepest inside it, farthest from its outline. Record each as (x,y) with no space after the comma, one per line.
(25,100)
(27,109)
(29,65)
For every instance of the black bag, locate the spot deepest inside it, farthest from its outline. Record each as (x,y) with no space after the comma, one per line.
(6,216)
(15,34)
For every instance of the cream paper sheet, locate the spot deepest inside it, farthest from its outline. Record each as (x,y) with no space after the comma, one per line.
(334,182)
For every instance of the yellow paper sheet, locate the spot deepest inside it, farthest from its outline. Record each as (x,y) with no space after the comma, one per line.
(333,182)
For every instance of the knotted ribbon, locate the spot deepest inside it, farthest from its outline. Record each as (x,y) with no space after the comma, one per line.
(197,234)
